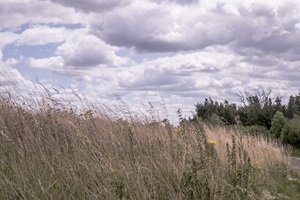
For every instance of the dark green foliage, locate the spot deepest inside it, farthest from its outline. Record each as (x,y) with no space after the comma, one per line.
(213,111)
(291,131)
(296,152)
(278,106)
(228,112)
(293,107)
(278,122)
(258,114)
(255,130)
(257,109)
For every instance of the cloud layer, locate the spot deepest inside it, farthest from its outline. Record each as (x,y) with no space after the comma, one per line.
(182,51)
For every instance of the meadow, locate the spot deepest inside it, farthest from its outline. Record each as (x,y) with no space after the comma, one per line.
(56,153)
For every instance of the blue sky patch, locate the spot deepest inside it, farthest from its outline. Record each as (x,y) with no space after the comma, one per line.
(38,52)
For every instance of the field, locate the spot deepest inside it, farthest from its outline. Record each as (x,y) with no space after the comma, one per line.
(51,153)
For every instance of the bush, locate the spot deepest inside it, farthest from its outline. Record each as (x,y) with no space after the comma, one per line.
(255,130)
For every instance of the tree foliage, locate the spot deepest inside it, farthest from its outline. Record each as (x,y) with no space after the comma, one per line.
(291,132)
(256,109)
(213,111)
(293,106)
(278,122)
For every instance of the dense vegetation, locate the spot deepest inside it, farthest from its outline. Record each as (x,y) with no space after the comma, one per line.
(258,113)
(51,152)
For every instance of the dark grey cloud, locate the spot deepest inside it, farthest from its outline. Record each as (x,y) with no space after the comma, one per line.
(263,27)
(155,31)
(292,54)
(181,2)
(86,60)
(156,28)
(188,69)
(295,85)
(263,60)
(269,29)
(92,5)
(291,74)
(153,79)
(140,32)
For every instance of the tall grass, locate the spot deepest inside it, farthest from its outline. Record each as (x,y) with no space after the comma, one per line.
(54,153)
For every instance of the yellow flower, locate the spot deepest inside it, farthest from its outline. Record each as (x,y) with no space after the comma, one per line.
(179,129)
(130,126)
(211,142)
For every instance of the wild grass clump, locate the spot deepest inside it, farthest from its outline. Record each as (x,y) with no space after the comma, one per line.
(53,153)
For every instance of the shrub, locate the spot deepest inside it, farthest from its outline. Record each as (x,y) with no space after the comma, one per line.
(255,130)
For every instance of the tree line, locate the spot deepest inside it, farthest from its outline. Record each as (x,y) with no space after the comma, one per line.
(257,113)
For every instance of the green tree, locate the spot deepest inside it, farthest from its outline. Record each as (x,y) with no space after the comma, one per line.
(278,106)
(214,111)
(291,132)
(229,112)
(278,122)
(293,107)
(206,109)
(257,108)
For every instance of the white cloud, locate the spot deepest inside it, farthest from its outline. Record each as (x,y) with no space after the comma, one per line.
(78,53)
(83,50)
(182,72)
(41,35)
(17,13)
(210,47)
(52,63)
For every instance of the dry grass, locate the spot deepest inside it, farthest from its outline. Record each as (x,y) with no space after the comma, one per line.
(57,154)
(262,151)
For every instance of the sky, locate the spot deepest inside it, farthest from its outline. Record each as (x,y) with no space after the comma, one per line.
(171,53)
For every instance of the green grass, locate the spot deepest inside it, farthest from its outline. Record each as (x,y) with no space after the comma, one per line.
(296,152)
(287,184)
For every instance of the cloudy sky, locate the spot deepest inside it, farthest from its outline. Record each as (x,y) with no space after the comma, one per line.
(173,51)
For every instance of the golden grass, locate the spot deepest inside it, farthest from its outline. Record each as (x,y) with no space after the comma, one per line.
(262,151)
(57,154)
